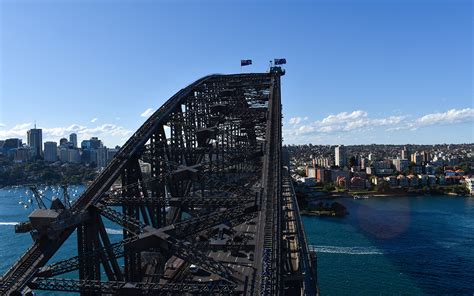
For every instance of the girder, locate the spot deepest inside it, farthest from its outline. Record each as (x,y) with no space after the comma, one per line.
(200,223)
(192,201)
(180,231)
(128,223)
(71,264)
(125,288)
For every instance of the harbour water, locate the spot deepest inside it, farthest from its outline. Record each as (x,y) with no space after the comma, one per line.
(396,246)
(13,245)
(385,246)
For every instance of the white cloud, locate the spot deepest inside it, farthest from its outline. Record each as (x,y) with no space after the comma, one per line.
(86,132)
(351,121)
(305,129)
(18,131)
(147,112)
(389,120)
(341,122)
(55,133)
(108,128)
(450,116)
(294,120)
(94,119)
(343,117)
(2,125)
(63,131)
(345,123)
(297,120)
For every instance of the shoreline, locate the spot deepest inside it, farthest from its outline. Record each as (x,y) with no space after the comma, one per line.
(6,187)
(334,195)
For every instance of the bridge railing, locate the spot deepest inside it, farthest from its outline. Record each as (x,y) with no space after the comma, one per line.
(309,252)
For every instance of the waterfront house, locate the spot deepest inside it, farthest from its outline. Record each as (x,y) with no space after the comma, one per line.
(357,183)
(470,185)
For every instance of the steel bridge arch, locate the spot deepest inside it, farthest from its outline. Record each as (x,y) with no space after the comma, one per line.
(211,215)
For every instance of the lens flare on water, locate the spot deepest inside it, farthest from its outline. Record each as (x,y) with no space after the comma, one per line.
(382,225)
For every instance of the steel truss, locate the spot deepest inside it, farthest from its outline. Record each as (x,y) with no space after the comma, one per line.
(196,192)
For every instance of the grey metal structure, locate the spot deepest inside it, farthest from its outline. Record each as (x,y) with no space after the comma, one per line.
(215,213)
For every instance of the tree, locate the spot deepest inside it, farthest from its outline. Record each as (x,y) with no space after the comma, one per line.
(50,176)
(301,200)
(329,187)
(465,167)
(352,161)
(382,187)
(302,173)
(339,209)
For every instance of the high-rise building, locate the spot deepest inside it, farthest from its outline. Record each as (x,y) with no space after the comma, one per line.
(12,143)
(417,158)
(426,156)
(95,143)
(22,154)
(89,156)
(63,154)
(323,162)
(73,155)
(405,153)
(85,144)
(111,153)
(73,140)
(340,156)
(364,162)
(102,157)
(401,164)
(50,151)
(35,141)
(68,154)
(63,142)
(90,151)
(92,143)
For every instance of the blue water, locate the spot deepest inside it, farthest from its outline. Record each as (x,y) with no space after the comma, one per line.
(12,245)
(396,246)
(386,246)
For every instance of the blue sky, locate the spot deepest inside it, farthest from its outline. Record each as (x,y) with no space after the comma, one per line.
(358,71)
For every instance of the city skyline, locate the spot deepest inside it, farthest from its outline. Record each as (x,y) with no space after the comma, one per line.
(406,80)
(90,151)
(69,139)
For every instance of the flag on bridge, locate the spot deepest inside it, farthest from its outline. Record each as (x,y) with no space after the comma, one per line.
(280,61)
(245,62)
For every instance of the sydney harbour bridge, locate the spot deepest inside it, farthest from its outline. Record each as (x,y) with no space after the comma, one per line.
(216,214)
